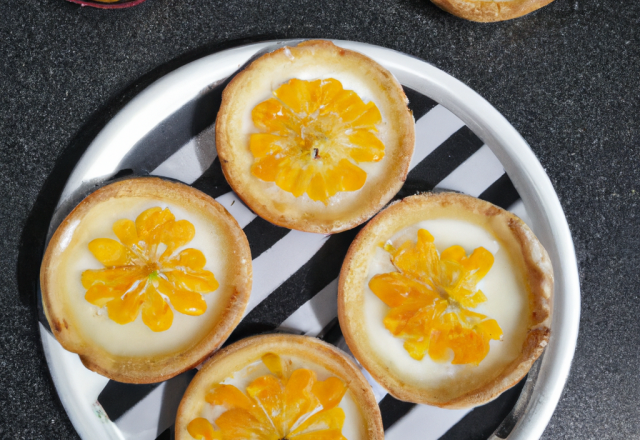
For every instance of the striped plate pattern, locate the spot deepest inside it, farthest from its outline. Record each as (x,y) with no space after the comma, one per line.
(296,274)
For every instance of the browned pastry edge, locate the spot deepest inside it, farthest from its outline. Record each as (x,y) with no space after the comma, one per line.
(512,231)
(247,188)
(490,11)
(247,351)
(161,367)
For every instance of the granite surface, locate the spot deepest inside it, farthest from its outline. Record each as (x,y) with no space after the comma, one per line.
(567,77)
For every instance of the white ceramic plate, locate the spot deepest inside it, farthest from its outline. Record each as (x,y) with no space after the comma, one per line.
(167,130)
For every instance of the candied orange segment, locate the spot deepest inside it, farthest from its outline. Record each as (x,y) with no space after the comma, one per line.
(313,135)
(325,424)
(430,296)
(276,406)
(329,392)
(230,396)
(201,429)
(142,274)
(274,364)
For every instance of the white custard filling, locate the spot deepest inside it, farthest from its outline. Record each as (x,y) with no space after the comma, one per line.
(135,338)
(311,71)
(354,426)
(507,303)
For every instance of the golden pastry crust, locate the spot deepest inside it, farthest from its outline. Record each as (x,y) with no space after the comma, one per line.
(145,369)
(490,11)
(312,60)
(524,248)
(247,351)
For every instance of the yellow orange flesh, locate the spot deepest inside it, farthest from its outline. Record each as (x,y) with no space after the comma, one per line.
(313,133)
(279,406)
(430,296)
(142,274)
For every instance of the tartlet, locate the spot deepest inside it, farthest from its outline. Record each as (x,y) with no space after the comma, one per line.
(490,11)
(467,292)
(145,278)
(315,137)
(253,385)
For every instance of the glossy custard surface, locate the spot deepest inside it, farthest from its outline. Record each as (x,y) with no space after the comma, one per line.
(507,303)
(135,338)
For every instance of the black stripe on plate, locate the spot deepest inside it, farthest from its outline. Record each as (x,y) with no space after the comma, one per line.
(418,103)
(175,131)
(166,434)
(501,193)
(332,333)
(172,394)
(393,410)
(480,423)
(212,181)
(262,235)
(117,398)
(441,162)
(300,287)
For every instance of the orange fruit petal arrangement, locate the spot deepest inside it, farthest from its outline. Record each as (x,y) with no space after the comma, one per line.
(311,133)
(429,298)
(278,405)
(128,279)
(317,152)
(445,299)
(138,275)
(304,389)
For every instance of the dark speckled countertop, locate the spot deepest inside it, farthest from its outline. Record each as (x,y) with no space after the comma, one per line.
(567,77)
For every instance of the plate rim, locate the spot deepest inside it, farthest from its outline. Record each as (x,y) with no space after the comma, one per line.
(514,153)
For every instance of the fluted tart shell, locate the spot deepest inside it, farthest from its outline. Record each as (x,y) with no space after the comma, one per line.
(528,255)
(490,11)
(312,60)
(144,368)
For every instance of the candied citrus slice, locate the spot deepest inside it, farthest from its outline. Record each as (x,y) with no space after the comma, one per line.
(110,253)
(330,392)
(273,362)
(125,309)
(136,280)
(201,429)
(298,398)
(312,133)
(325,424)
(230,396)
(276,406)
(268,392)
(429,297)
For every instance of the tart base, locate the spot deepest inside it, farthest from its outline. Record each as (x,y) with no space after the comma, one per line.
(155,368)
(529,255)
